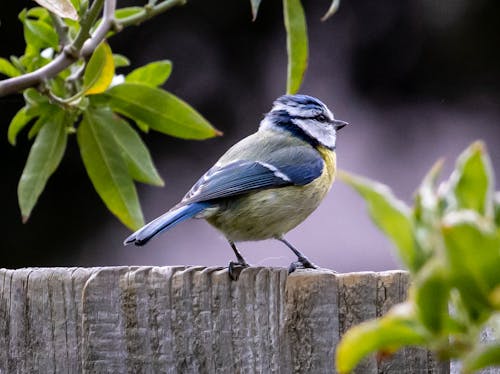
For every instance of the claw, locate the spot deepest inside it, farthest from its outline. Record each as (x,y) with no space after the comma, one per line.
(235,269)
(301,263)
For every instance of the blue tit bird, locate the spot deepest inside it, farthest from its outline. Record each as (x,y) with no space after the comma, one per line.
(266,184)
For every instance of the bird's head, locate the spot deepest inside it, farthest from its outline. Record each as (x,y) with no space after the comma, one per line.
(305,117)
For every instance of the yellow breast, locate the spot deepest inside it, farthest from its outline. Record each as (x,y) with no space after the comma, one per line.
(273,212)
(330,164)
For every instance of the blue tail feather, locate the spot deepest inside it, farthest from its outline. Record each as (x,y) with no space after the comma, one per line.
(165,222)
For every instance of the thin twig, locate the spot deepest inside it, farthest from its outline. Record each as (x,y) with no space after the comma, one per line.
(76,75)
(149,12)
(84,44)
(16,84)
(61,29)
(108,20)
(86,24)
(70,53)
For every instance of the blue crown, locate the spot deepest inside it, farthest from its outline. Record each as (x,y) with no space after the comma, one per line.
(305,101)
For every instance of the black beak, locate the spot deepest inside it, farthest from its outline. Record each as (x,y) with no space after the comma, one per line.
(338,124)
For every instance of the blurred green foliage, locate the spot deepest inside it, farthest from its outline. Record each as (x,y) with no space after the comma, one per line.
(450,242)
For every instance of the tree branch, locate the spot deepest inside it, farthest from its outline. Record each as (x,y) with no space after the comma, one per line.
(148,12)
(84,44)
(87,22)
(61,29)
(108,20)
(70,54)
(16,84)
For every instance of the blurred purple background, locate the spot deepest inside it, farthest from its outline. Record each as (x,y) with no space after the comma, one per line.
(417,80)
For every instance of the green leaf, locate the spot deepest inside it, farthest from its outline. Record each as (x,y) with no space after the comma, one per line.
(334,6)
(28,113)
(153,74)
(76,4)
(35,129)
(142,126)
(136,154)
(58,85)
(472,181)
(391,215)
(32,60)
(482,357)
(397,329)
(427,213)
(16,62)
(34,98)
(159,110)
(107,169)
(426,199)
(255,8)
(73,26)
(38,104)
(296,43)
(431,292)
(40,35)
(494,297)
(38,13)
(38,30)
(21,119)
(496,199)
(63,8)
(127,12)
(473,255)
(120,60)
(99,71)
(44,158)
(6,68)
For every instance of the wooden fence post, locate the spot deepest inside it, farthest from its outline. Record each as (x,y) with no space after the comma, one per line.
(192,320)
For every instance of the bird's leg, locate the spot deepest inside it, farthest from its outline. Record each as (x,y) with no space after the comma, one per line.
(235,268)
(302,261)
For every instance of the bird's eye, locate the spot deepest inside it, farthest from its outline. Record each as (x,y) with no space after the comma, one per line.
(321,118)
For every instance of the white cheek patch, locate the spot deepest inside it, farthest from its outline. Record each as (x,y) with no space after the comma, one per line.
(324,134)
(267,124)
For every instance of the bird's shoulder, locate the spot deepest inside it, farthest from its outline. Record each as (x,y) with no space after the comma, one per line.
(267,146)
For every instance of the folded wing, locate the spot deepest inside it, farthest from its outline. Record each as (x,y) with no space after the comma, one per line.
(243,176)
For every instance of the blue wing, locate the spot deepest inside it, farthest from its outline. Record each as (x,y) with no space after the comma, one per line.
(297,166)
(281,168)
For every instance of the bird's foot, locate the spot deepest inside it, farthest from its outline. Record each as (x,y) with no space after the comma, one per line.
(301,263)
(235,269)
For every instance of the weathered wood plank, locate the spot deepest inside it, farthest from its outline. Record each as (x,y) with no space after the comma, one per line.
(40,330)
(191,320)
(5,313)
(357,303)
(311,326)
(392,288)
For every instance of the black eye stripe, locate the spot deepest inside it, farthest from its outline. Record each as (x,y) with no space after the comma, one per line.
(319,117)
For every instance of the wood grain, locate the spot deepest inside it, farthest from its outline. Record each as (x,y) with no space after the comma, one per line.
(192,320)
